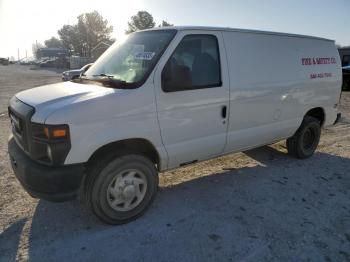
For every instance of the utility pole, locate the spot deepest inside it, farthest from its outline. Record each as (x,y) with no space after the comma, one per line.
(26,54)
(18,54)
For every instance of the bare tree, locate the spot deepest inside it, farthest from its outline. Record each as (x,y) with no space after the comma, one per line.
(53,42)
(35,48)
(70,37)
(90,30)
(164,24)
(93,30)
(142,20)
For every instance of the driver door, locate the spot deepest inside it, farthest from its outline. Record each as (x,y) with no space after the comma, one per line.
(192,96)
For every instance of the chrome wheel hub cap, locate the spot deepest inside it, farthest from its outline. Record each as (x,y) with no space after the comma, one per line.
(126,190)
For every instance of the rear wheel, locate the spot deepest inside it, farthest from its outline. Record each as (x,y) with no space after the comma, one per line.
(119,189)
(305,141)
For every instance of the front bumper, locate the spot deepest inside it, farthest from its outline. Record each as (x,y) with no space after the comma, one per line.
(46,182)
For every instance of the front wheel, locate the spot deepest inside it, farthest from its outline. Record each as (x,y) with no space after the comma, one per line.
(119,189)
(305,141)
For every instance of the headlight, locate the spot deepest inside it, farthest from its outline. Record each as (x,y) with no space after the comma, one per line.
(50,143)
(50,132)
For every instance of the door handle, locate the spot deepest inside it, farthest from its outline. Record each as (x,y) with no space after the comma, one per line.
(224,112)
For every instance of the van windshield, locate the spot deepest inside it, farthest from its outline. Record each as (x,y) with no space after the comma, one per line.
(129,63)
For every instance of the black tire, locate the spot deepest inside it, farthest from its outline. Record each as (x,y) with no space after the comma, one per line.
(305,141)
(74,78)
(101,174)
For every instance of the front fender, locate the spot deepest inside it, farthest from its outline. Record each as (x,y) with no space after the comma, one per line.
(88,138)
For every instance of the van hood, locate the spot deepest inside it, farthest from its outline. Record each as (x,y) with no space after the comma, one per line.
(46,99)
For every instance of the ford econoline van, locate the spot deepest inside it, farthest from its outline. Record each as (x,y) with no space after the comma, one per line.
(168,97)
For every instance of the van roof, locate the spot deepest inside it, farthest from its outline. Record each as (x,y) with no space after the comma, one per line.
(228,29)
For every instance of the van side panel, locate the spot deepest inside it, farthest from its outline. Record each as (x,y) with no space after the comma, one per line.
(272,86)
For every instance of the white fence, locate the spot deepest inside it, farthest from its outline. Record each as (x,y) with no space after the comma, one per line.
(78,61)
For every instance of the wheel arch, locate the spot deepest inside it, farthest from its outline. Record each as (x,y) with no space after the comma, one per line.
(132,145)
(318,113)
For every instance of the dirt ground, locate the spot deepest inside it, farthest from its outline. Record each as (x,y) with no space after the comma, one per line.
(260,205)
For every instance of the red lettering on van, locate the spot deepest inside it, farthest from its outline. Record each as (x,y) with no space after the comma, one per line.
(318,60)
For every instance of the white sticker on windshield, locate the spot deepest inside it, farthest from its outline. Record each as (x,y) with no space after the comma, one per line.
(144,55)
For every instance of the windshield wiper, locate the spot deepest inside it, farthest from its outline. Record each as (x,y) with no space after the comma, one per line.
(109,81)
(103,75)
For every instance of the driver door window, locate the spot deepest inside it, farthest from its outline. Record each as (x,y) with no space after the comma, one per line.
(194,64)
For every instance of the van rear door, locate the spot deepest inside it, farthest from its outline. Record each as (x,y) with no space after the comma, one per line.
(192,94)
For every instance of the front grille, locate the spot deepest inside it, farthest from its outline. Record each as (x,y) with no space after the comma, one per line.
(29,138)
(18,129)
(20,115)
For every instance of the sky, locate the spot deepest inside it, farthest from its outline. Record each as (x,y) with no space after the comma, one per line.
(23,22)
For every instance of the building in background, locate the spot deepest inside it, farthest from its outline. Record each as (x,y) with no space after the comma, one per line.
(62,58)
(52,57)
(52,52)
(4,61)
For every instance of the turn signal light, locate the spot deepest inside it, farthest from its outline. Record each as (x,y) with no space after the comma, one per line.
(59,133)
(52,132)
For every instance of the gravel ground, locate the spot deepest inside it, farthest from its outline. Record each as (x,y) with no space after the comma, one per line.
(260,205)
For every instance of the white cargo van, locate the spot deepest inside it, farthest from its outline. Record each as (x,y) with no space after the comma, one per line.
(165,98)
